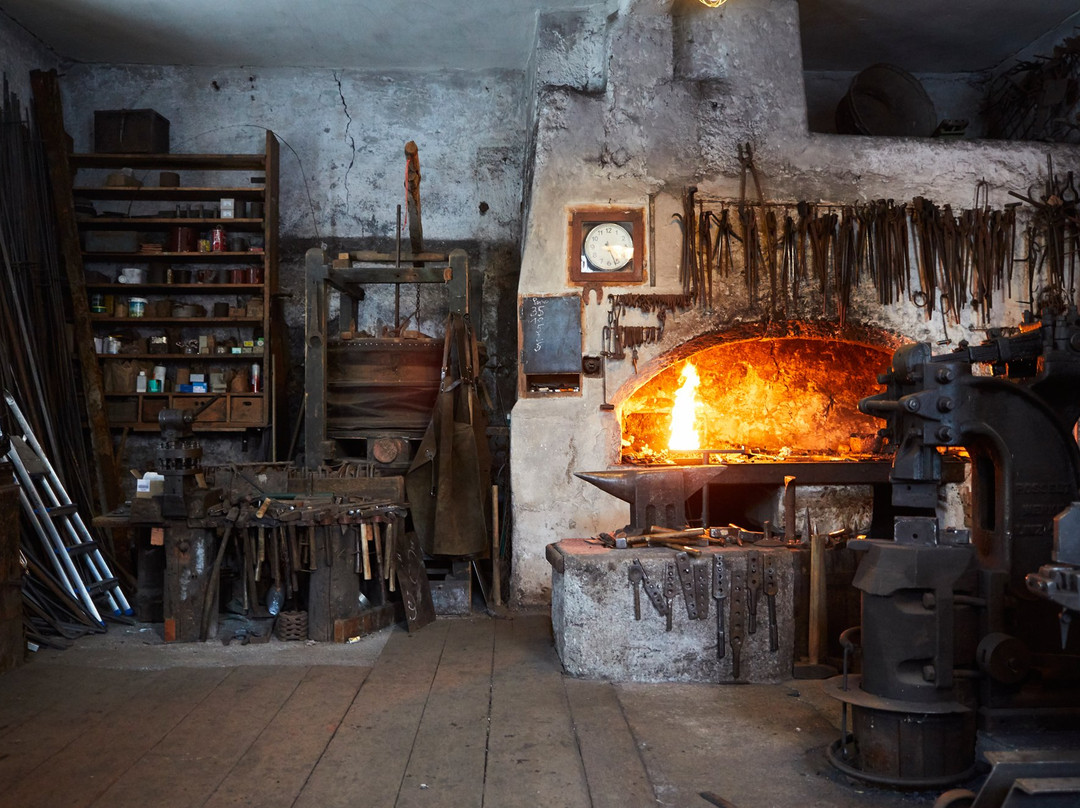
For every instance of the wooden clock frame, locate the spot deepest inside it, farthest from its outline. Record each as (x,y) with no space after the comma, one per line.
(582,220)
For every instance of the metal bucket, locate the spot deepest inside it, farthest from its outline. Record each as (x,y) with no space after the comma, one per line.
(885,100)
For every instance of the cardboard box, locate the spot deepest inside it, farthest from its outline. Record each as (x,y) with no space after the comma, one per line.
(149,485)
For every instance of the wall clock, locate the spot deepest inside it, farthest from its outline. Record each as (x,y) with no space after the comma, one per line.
(607,246)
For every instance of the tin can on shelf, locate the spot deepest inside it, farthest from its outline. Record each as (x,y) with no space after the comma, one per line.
(256,378)
(217,239)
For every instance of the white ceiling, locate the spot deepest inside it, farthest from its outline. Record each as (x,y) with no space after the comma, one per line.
(363,34)
(920,35)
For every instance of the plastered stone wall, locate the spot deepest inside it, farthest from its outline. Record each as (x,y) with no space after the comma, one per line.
(19,54)
(342,168)
(680,93)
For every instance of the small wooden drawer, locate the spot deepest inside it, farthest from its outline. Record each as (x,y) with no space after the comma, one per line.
(246,409)
(215,413)
(122,410)
(151,406)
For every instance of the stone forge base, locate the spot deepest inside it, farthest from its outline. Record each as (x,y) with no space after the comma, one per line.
(596,635)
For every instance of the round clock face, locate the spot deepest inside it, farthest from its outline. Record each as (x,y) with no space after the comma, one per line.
(608,247)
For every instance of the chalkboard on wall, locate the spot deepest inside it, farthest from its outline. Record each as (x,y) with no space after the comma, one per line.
(551,334)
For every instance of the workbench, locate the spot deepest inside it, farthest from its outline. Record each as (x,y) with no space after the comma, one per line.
(330,543)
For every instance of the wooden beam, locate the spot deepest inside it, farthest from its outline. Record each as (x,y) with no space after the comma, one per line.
(50,121)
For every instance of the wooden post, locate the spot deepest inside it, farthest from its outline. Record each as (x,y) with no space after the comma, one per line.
(496,579)
(50,121)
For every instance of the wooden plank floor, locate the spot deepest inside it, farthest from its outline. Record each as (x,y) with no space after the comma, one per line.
(463,713)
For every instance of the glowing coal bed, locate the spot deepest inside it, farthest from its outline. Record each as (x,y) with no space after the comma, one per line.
(766,398)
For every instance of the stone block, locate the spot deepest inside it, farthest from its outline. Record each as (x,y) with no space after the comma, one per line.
(596,635)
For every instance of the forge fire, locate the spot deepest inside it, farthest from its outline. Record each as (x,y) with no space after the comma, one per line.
(774,396)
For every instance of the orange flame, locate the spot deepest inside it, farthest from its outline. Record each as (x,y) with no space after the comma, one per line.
(684,413)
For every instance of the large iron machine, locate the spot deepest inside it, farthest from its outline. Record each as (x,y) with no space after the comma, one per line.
(967,630)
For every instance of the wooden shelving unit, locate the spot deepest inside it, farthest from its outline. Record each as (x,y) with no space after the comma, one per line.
(148,215)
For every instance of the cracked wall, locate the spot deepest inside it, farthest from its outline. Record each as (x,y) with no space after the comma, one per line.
(680,95)
(342,170)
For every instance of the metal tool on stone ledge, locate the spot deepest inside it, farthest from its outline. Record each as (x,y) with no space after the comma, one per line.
(719,593)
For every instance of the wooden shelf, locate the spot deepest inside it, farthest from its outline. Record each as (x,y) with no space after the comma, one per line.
(198,426)
(174,394)
(170,162)
(153,209)
(186,322)
(154,194)
(189,357)
(177,257)
(197,289)
(167,222)
(227,412)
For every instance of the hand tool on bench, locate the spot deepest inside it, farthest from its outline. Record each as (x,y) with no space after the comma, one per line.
(721,535)
(655,533)
(622,542)
(275,595)
(652,589)
(669,592)
(294,554)
(768,536)
(675,544)
(738,619)
(391,550)
(284,556)
(701,590)
(261,554)
(771,588)
(745,535)
(377,534)
(635,573)
(753,577)
(719,593)
(365,537)
(310,542)
(686,579)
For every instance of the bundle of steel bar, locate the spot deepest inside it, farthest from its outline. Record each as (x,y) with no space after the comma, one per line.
(38,366)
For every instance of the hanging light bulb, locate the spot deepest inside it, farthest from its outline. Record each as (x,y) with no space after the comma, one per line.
(713,3)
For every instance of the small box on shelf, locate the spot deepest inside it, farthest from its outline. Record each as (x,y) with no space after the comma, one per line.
(151,484)
(130,131)
(246,409)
